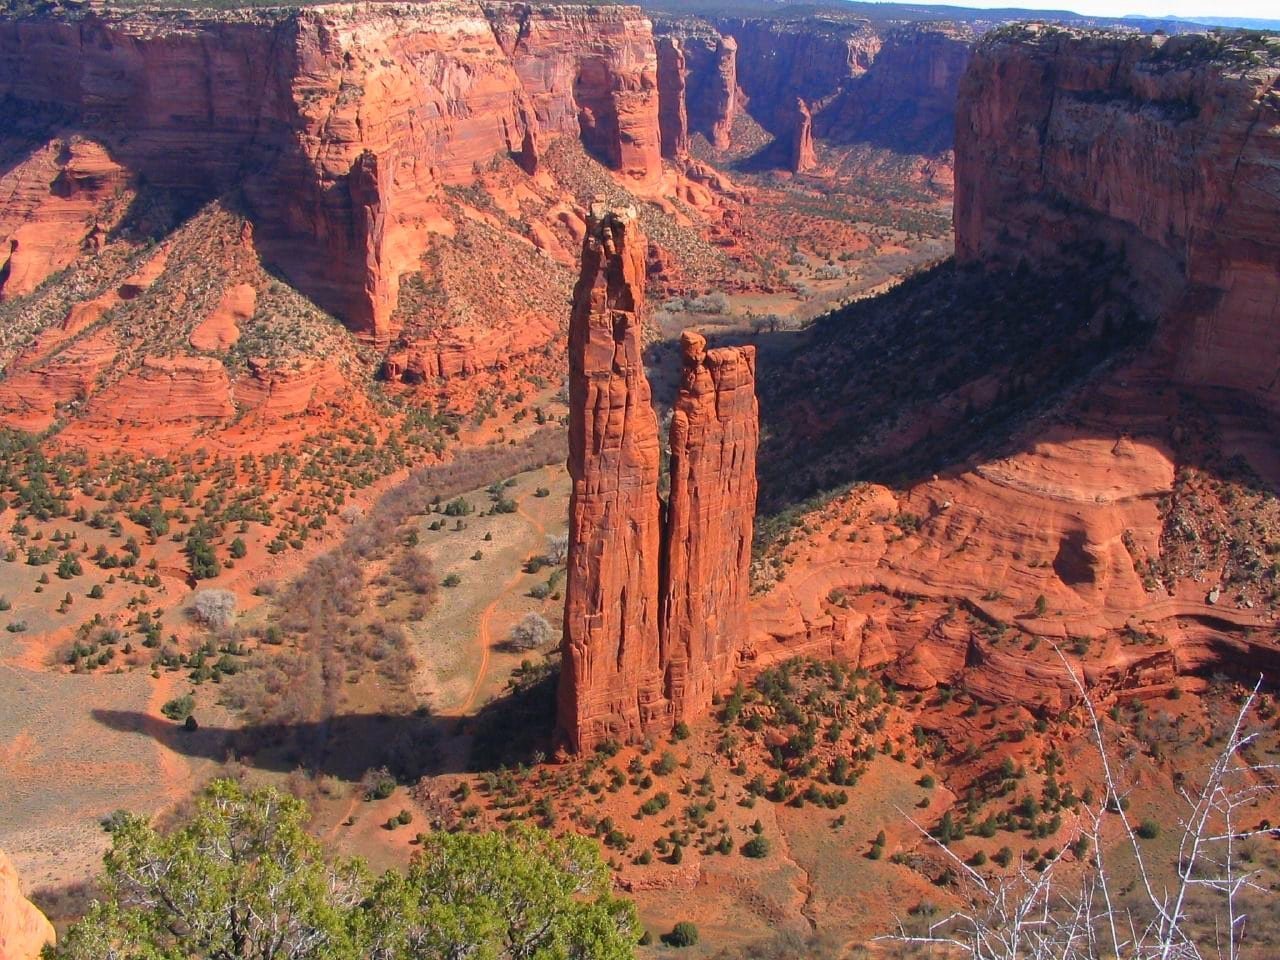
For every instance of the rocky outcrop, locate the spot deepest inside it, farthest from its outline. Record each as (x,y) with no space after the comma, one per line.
(589,72)
(221,329)
(655,612)
(810,57)
(802,154)
(905,100)
(610,677)
(712,95)
(339,123)
(24,930)
(710,518)
(1158,150)
(673,116)
(53,207)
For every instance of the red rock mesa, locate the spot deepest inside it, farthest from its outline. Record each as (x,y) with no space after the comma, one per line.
(654,614)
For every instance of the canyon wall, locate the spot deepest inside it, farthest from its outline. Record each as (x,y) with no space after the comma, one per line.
(1162,150)
(340,122)
(713,87)
(905,99)
(655,608)
(780,60)
(888,87)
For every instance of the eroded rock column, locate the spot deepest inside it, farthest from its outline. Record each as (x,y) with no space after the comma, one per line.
(655,612)
(673,117)
(610,681)
(710,517)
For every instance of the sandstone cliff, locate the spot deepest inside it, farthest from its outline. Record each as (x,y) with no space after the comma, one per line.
(655,608)
(1162,150)
(673,113)
(24,931)
(339,123)
(905,100)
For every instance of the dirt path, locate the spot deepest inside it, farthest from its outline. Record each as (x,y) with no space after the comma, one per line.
(484,634)
(175,774)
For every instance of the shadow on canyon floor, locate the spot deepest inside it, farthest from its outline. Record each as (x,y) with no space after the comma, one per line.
(511,729)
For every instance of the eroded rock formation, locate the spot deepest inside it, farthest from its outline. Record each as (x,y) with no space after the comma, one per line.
(802,154)
(673,115)
(1161,150)
(710,518)
(24,930)
(340,123)
(611,680)
(654,613)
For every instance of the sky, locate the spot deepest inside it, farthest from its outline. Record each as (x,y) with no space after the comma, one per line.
(1189,9)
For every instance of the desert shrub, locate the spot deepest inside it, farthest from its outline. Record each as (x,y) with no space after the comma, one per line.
(683,934)
(757,848)
(531,632)
(458,507)
(415,569)
(242,871)
(378,784)
(557,548)
(201,559)
(214,608)
(179,708)
(452,580)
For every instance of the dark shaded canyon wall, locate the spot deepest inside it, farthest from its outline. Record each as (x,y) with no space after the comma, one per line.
(906,99)
(655,608)
(284,105)
(810,58)
(1164,150)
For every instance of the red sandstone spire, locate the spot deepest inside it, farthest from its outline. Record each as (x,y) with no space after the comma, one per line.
(629,667)
(610,676)
(710,515)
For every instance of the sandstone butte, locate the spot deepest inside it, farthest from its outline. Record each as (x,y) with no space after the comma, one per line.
(24,930)
(1157,151)
(655,610)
